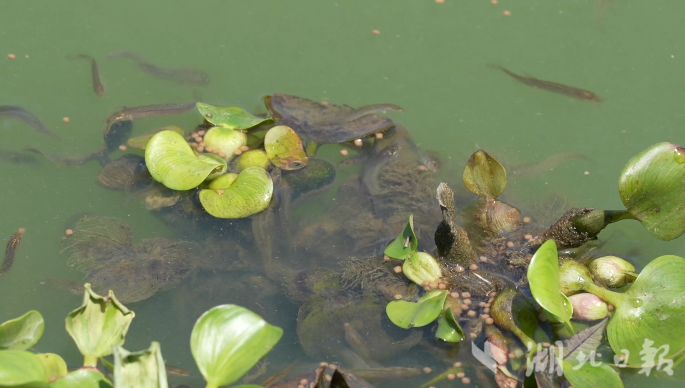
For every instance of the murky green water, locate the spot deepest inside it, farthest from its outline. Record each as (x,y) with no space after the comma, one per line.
(429,58)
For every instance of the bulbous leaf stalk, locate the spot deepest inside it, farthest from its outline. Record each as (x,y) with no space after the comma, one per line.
(611,271)
(422,267)
(588,307)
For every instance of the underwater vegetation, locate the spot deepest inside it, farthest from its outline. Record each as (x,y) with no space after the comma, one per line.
(467,272)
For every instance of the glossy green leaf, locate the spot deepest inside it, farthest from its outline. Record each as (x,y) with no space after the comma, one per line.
(144,369)
(224,140)
(651,312)
(142,140)
(228,340)
(484,175)
(284,148)
(173,163)
(448,328)
(421,267)
(249,194)
(588,375)
(98,325)
(253,158)
(23,332)
(405,244)
(416,314)
(82,378)
(229,116)
(19,367)
(511,311)
(652,187)
(543,275)
(223,182)
(54,365)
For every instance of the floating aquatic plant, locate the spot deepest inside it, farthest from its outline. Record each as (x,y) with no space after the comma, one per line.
(173,163)
(231,117)
(248,194)
(284,148)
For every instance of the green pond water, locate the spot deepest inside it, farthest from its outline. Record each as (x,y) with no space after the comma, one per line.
(431,59)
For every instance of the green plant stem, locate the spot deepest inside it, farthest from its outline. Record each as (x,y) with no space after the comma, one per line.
(611,297)
(211,385)
(90,361)
(611,216)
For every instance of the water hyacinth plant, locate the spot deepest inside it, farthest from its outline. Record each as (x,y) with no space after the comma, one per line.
(226,342)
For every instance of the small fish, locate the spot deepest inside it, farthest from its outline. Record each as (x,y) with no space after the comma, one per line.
(68,160)
(98,86)
(372,168)
(278,376)
(17,157)
(15,112)
(346,117)
(147,111)
(554,87)
(12,246)
(548,164)
(176,370)
(188,76)
(72,286)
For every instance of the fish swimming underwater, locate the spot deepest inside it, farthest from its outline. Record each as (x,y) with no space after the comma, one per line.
(554,87)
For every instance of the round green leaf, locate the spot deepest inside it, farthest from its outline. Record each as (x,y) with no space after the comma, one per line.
(448,328)
(172,162)
(228,340)
(19,367)
(54,365)
(484,175)
(284,148)
(82,378)
(23,332)
(652,311)
(229,116)
(543,275)
(225,140)
(248,194)
(405,244)
(592,376)
(652,187)
(253,158)
(409,314)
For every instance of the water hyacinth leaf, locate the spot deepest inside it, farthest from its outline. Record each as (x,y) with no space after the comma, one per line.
(23,332)
(98,325)
(225,140)
(229,116)
(249,194)
(284,148)
(223,182)
(253,158)
(588,375)
(142,140)
(228,340)
(543,275)
(417,314)
(405,244)
(325,123)
(82,378)
(421,267)
(448,328)
(511,311)
(18,367)
(172,162)
(54,365)
(652,188)
(484,175)
(143,369)
(652,312)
